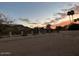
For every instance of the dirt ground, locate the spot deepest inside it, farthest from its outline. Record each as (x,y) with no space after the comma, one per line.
(65,43)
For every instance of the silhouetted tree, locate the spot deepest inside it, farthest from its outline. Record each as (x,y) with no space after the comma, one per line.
(72,13)
(35,31)
(74,27)
(59,28)
(42,30)
(69,13)
(75,20)
(48,27)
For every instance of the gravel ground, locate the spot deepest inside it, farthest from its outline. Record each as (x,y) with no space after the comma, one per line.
(64,43)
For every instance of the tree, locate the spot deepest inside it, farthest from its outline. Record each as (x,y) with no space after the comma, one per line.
(72,13)
(5,19)
(1,21)
(48,28)
(75,20)
(74,27)
(69,13)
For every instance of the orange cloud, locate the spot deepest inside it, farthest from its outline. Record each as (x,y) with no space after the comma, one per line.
(64,23)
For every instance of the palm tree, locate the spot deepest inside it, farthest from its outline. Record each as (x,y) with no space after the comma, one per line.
(72,13)
(69,13)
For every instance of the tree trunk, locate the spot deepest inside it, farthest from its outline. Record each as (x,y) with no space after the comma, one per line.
(72,18)
(70,22)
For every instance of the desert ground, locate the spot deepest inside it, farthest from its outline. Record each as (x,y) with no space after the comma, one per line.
(64,43)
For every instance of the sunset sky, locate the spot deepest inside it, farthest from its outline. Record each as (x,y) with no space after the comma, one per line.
(38,12)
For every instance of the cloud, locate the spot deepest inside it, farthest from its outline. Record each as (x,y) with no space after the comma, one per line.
(51,20)
(59,16)
(76,8)
(63,13)
(25,20)
(34,23)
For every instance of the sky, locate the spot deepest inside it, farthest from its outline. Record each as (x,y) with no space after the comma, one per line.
(35,12)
